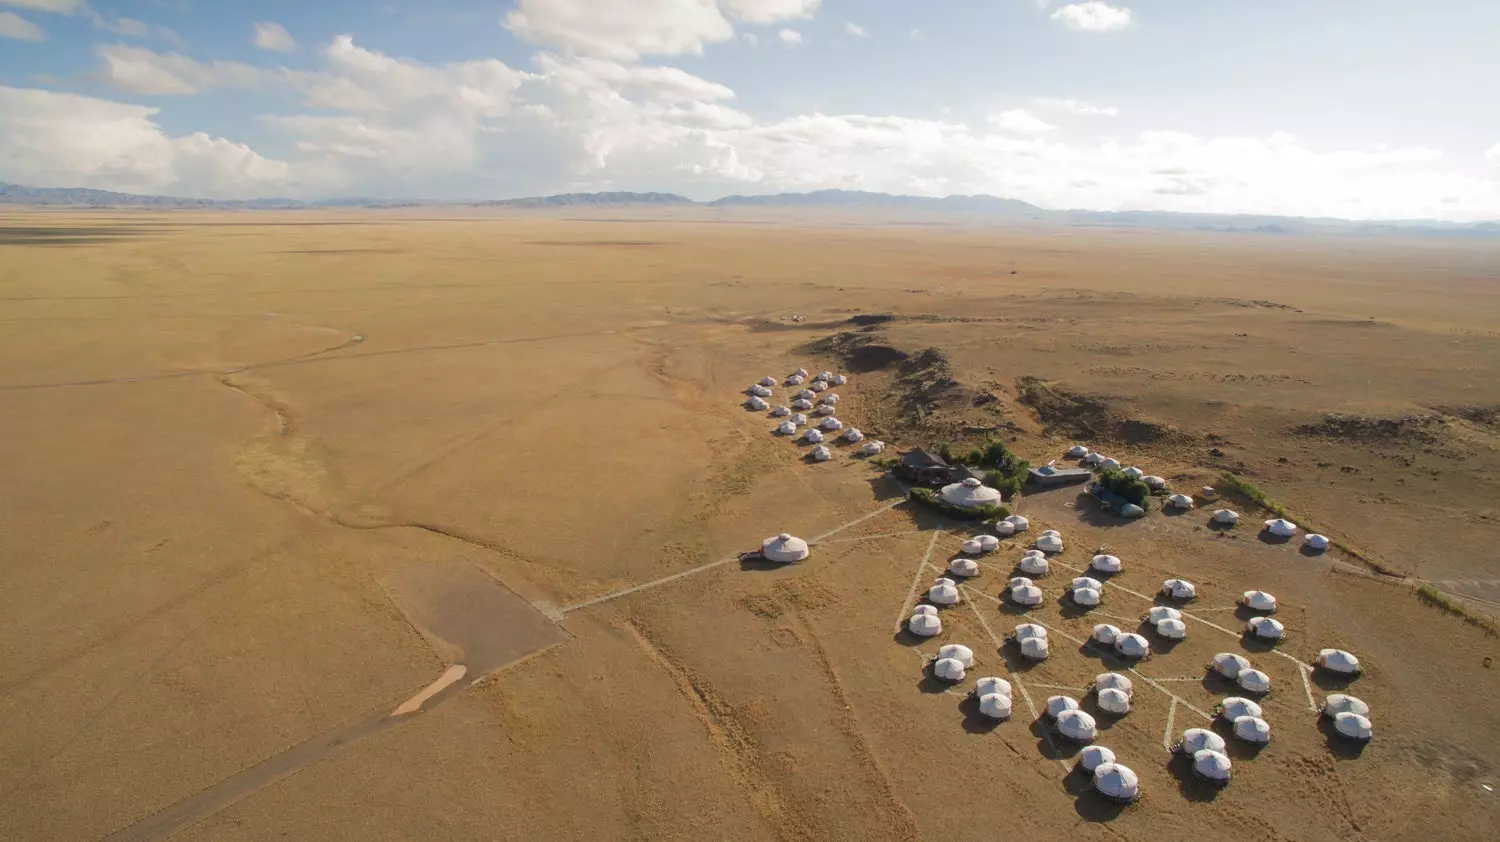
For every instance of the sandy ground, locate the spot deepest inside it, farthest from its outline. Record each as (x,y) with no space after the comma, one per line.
(245,455)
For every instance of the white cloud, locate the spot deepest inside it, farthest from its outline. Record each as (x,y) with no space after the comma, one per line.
(1093,16)
(1021,121)
(1073,106)
(1493,151)
(133,28)
(790,37)
(274,37)
(64,7)
(50,139)
(18,28)
(140,70)
(855,29)
(628,29)
(591,75)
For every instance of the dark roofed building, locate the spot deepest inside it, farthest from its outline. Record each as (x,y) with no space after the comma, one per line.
(924,468)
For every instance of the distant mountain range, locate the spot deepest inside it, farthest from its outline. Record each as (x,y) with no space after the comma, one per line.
(992,207)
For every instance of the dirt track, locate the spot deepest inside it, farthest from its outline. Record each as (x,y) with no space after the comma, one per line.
(222,439)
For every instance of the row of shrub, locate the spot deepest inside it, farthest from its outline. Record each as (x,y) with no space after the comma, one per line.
(1133,489)
(932,500)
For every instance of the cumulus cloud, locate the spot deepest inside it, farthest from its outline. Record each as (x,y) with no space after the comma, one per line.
(1093,16)
(1021,121)
(18,28)
(855,29)
(65,7)
(1073,106)
(625,30)
(50,139)
(140,70)
(274,37)
(790,37)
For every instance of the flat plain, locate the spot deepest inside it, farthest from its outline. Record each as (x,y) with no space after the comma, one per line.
(269,476)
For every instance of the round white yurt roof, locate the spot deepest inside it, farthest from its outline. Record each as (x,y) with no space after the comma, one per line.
(1116,782)
(831,424)
(1005,527)
(1252,729)
(784,548)
(1314,541)
(1086,582)
(1132,645)
(1211,765)
(925,609)
(812,436)
(871,447)
(798,419)
(1109,465)
(1162,612)
(1353,726)
(1018,582)
(1093,757)
(853,435)
(1338,703)
(1195,740)
(1093,458)
(801,372)
(925,625)
(829,398)
(1281,526)
(1133,471)
(988,543)
(1254,681)
(943,594)
(825,375)
(995,706)
(1106,564)
(1034,552)
(963,567)
(1034,648)
(1035,565)
(1086,597)
(757,403)
(821,454)
(1028,630)
(795,380)
(781,411)
(1113,701)
(839,380)
(1337,660)
(948,669)
(1058,704)
(805,395)
(1027,595)
(786,428)
(970,494)
(1077,726)
(768,380)
(802,405)
(825,410)
(971,546)
(1106,634)
(1019,522)
(818,386)
(1154,482)
(1265,628)
(1113,681)
(1051,533)
(1234,707)
(1132,510)
(1258,601)
(959,652)
(1049,544)
(1226,516)
(1172,629)
(1229,664)
(760,391)
(1077,451)
(1179,589)
(992,684)
(1181,501)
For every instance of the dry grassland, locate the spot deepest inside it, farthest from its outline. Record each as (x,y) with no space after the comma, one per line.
(237,448)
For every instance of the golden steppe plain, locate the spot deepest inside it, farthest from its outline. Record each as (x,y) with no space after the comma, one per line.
(239,449)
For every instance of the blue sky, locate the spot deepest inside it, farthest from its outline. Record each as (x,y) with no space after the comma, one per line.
(1373,109)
